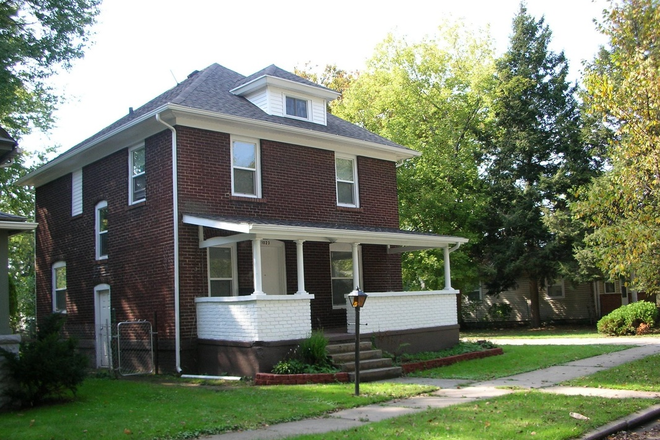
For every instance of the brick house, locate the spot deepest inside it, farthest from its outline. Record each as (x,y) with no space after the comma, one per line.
(241,213)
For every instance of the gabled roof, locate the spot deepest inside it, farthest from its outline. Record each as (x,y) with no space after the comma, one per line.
(208,93)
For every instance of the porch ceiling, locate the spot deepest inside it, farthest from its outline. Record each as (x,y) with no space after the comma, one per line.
(251,229)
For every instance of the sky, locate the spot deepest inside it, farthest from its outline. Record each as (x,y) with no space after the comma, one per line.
(141,48)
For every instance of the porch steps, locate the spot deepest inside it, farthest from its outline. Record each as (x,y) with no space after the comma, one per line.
(373,366)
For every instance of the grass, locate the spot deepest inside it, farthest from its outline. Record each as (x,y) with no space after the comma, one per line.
(461,348)
(120,409)
(531,414)
(561,331)
(639,375)
(517,359)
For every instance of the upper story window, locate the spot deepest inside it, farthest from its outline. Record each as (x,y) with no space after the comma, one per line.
(347,183)
(296,107)
(59,287)
(101,230)
(222,271)
(137,184)
(245,175)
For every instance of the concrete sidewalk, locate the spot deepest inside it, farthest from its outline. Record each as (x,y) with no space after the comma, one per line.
(450,394)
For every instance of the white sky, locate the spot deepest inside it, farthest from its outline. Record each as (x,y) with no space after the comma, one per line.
(142,45)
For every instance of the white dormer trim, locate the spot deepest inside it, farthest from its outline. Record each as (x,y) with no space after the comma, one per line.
(286,84)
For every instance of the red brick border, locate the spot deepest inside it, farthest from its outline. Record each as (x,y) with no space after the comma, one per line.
(433,363)
(299,379)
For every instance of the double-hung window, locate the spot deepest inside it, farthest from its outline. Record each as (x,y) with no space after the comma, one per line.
(555,290)
(222,271)
(341,273)
(137,185)
(59,287)
(296,107)
(245,175)
(347,183)
(102,230)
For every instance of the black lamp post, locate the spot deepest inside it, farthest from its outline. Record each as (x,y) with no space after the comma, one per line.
(357,298)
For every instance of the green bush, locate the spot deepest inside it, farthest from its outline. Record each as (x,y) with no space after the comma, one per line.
(46,365)
(309,357)
(626,319)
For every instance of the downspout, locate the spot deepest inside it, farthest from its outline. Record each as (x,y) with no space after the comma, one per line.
(175,214)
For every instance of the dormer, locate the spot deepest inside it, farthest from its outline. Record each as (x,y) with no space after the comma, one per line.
(280,93)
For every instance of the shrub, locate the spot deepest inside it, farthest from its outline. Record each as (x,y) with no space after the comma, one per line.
(312,350)
(46,365)
(309,357)
(627,319)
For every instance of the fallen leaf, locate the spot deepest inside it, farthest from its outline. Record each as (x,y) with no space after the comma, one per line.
(128,432)
(578,416)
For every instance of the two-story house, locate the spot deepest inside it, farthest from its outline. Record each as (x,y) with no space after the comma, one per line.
(241,213)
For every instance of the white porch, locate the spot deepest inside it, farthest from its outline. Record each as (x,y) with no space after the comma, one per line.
(277,317)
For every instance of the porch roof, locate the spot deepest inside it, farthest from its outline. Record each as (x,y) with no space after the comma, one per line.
(251,229)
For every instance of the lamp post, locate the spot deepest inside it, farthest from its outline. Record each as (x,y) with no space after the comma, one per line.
(357,298)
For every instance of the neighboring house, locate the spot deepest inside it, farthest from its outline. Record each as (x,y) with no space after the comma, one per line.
(241,213)
(561,302)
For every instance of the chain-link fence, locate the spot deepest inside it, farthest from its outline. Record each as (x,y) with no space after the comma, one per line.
(135,350)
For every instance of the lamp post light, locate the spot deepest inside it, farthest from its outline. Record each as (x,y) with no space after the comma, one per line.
(357,298)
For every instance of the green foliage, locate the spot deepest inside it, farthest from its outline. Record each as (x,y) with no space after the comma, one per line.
(533,159)
(461,348)
(46,366)
(431,96)
(499,311)
(621,210)
(639,375)
(37,37)
(626,319)
(309,357)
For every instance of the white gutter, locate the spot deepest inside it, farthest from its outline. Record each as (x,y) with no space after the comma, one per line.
(175,214)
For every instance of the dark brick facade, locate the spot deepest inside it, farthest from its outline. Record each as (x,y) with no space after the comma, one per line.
(298,184)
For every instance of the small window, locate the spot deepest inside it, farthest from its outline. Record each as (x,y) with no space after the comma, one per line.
(59,287)
(341,273)
(347,188)
(138,180)
(102,230)
(221,271)
(610,287)
(555,290)
(475,293)
(296,107)
(245,176)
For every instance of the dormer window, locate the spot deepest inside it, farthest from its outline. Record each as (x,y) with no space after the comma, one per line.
(296,107)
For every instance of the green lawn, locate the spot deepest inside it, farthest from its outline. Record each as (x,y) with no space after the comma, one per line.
(121,409)
(559,331)
(639,375)
(517,359)
(528,415)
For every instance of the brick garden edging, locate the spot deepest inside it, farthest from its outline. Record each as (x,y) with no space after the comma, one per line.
(433,363)
(299,379)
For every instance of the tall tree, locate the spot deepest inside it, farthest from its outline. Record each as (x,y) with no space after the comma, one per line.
(621,210)
(37,37)
(430,96)
(534,159)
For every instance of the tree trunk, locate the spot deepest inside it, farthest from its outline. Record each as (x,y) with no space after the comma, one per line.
(535,303)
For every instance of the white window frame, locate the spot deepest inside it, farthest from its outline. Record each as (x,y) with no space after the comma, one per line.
(480,292)
(344,247)
(234,268)
(615,288)
(55,267)
(356,191)
(131,177)
(297,98)
(76,192)
(98,233)
(563,289)
(256,170)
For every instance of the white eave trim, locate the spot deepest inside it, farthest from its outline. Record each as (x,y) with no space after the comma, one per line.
(268,80)
(15,227)
(250,231)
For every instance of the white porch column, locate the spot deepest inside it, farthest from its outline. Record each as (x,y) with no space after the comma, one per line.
(447,269)
(356,266)
(301,268)
(256,266)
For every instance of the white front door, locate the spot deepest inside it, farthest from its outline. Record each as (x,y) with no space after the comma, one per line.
(103,326)
(273,269)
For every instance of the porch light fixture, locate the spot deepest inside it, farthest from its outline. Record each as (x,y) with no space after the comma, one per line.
(357,299)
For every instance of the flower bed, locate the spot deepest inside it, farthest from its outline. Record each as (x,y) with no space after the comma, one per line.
(434,363)
(299,379)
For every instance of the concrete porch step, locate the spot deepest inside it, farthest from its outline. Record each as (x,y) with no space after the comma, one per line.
(373,366)
(342,358)
(368,364)
(376,374)
(347,347)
